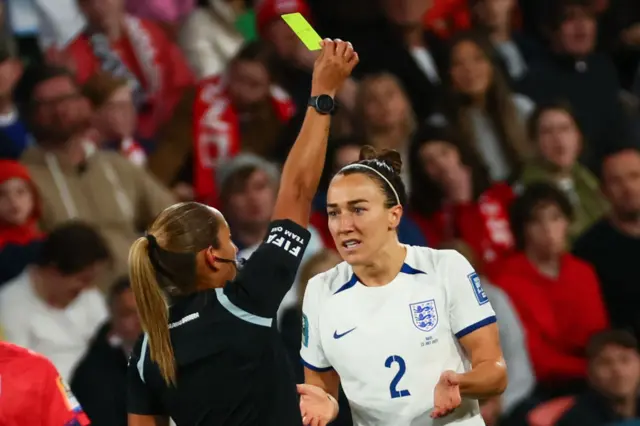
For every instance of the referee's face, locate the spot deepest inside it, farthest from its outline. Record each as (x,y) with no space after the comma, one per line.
(226,250)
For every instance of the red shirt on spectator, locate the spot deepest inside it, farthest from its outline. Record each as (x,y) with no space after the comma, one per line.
(559,315)
(156,62)
(482,224)
(447,17)
(33,393)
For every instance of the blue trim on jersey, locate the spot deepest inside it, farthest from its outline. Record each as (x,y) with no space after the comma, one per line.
(241,313)
(314,368)
(143,355)
(405,269)
(473,327)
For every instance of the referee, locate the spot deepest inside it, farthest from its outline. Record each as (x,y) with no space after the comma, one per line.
(214,357)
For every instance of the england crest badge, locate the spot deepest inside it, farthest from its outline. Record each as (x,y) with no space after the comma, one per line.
(424,315)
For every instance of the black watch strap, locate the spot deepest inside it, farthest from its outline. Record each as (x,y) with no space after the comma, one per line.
(323,104)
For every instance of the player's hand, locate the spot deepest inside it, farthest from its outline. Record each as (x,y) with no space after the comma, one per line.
(315,406)
(334,65)
(446,395)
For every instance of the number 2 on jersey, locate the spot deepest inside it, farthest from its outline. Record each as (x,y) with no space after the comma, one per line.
(402,368)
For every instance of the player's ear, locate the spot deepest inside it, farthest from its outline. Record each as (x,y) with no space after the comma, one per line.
(395,214)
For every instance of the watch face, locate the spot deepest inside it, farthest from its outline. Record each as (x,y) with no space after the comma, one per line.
(325,103)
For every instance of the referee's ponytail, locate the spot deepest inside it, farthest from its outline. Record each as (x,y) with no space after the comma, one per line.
(152,308)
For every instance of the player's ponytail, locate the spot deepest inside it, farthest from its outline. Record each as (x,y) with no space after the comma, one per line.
(152,308)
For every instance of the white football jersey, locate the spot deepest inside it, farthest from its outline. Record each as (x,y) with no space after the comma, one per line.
(390,344)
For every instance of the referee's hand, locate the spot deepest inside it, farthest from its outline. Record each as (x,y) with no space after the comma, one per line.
(316,406)
(333,67)
(446,395)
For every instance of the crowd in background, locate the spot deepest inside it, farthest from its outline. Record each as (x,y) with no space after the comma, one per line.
(518,122)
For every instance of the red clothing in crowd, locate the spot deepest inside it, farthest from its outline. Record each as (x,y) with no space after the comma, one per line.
(28,231)
(156,62)
(446,17)
(559,315)
(482,224)
(216,132)
(33,393)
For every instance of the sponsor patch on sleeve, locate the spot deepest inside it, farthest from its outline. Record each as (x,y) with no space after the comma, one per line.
(481,296)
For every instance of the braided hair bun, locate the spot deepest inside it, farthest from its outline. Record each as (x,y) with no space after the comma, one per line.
(389,157)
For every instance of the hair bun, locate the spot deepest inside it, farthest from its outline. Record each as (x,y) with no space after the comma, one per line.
(390,157)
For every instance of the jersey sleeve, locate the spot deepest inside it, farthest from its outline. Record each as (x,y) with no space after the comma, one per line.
(59,405)
(140,400)
(311,351)
(469,306)
(270,271)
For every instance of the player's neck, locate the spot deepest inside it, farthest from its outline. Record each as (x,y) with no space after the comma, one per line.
(384,267)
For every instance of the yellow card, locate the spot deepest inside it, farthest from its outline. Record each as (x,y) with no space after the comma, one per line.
(303,30)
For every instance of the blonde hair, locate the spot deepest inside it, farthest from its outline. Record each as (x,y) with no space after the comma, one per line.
(163,264)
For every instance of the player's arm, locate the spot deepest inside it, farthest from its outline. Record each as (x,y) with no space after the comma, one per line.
(488,375)
(319,393)
(474,323)
(59,405)
(303,168)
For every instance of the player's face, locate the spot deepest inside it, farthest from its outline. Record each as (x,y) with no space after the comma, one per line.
(616,372)
(546,232)
(359,222)
(558,138)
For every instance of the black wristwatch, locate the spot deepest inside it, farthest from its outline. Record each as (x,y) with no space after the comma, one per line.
(324,104)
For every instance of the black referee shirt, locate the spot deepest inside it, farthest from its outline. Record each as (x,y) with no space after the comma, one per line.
(232,366)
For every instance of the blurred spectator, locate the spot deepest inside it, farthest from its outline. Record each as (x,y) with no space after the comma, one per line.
(587,79)
(320,262)
(20,237)
(168,13)
(52,307)
(515,48)
(455,199)
(614,378)
(543,281)
(114,116)
(558,138)
(54,22)
(510,409)
(620,35)
(244,110)
(399,44)
(484,109)
(612,244)
(106,361)
(14,137)
(209,37)
(383,116)
(248,189)
(136,50)
(34,392)
(74,180)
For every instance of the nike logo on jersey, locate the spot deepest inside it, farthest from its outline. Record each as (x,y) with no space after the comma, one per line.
(338,336)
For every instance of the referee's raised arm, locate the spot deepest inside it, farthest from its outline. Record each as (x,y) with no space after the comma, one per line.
(305,162)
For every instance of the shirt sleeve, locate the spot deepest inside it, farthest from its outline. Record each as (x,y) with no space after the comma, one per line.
(60,406)
(140,400)
(270,271)
(469,307)
(311,351)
